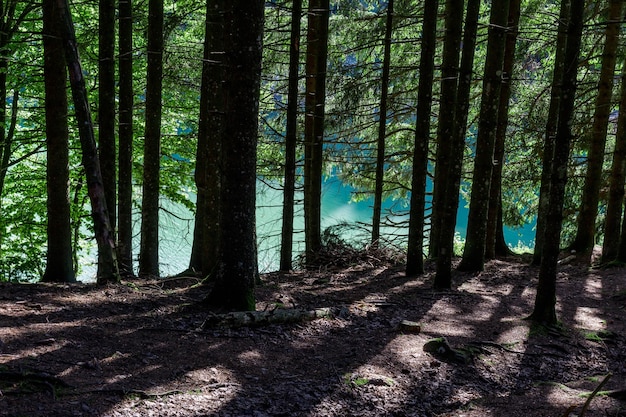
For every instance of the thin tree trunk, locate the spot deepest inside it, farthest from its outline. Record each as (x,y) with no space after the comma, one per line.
(291,141)
(5,139)
(106,103)
(545,299)
(149,244)
(475,242)
(236,275)
(495,244)
(59,265)
(6,145)
(586,224)
(450,201)
(125,157)
(614,247)
(317,49)
(382,127)
(415,250)
(107,261)
(206,243)
(447,106)
(550,135)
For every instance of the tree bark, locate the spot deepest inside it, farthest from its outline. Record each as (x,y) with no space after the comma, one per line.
(59,265)
(550,133)
(149,244)
(107,260)
(317,50)
(125,156)
(475,242)
(106,103)
(447,106)
(205,251)
(614,247)
(495,243)
(291,141)
(544,312)
(382,127)
(415,250)
(237,268)
(450,200)
(586,222)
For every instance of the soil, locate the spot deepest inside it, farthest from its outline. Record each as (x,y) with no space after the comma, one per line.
(140,349)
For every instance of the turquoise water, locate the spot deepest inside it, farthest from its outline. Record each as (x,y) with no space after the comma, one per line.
(176,222)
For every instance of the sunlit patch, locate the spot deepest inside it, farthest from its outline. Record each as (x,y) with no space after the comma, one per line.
(517,332)
(250,356)
(593,288)
(212,375)
(589,318)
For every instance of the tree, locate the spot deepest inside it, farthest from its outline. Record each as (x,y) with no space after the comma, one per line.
(205,250)
(125,126)
(614,247)
(544,312)
(10,21)
(586,224)
(59,265)
(495,243)
(382,127)
(415,250)
(550,131)
(291,142)
(149,244)
(475,242)
(315,95)
(106,103)
(236,272)
(447,108)
(450,196)
(107,261)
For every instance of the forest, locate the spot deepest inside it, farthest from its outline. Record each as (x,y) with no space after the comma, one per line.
(125,121)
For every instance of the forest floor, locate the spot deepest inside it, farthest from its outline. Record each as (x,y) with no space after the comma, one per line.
(140,348)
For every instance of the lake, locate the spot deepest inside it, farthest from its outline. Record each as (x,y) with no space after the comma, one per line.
(176,234)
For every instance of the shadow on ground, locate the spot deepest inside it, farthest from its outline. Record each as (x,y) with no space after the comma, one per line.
(138,349)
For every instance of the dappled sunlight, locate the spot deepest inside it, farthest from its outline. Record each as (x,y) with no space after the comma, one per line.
(142,350)
(213,374)
(514,333)
(593,287)
(589,318)
(250,357)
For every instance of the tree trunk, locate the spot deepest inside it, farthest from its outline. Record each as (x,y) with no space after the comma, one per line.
(545,299)
(382,128)
(475,242)
(106,103)
(291,141)
(495,244)
(450,200)
(614,247)
(107,261)
(125,157)
(586,224)
(236,274)
(447,106)
(550,134)
(59,265)
(205,251)
(415,250)
(5,139)
(149,245)
(317,49)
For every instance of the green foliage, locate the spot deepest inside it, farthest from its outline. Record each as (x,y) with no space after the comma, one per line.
(353,97)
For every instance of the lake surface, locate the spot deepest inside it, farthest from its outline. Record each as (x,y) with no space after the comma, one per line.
(176,222)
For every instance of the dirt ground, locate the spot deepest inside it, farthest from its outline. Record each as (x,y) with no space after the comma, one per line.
(139,348)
